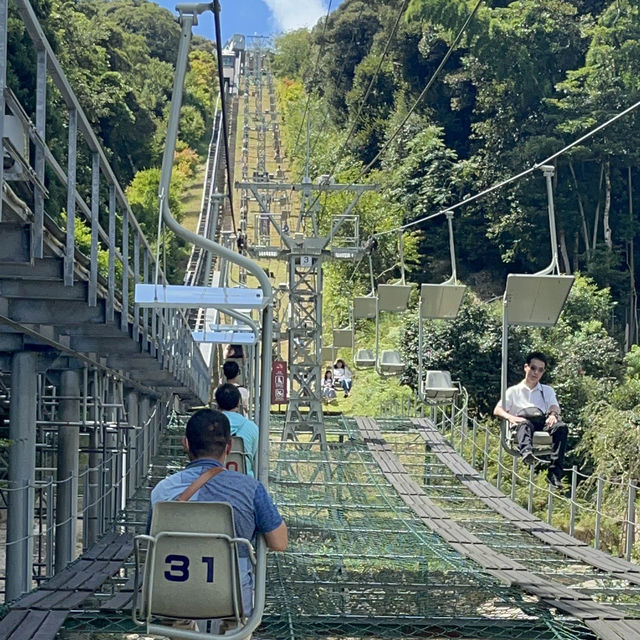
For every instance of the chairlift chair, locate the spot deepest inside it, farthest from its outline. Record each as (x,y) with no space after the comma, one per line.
(364,359)
(534,300)
(237,457)
(542,443)
(390,362)
(438,388)
(191,568)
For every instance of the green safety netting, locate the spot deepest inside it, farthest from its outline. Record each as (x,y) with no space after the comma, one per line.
(361,564)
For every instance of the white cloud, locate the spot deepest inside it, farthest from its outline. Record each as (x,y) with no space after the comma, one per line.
(294,14)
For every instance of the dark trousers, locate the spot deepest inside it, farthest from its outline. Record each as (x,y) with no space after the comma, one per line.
(558,432)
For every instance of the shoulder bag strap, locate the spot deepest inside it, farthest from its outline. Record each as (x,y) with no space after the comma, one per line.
(200,481)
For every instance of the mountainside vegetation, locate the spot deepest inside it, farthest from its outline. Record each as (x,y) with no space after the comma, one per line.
(119,57)
(528,78)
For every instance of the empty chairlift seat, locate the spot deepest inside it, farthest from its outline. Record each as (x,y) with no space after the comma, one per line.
(191,569)
(343,338)
(437,387)
(391,362)
(365,359)
(393,297)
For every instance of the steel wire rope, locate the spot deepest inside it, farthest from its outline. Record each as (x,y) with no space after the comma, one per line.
(313,76)
(223,104)
(432,79)
(518,176)
(364,97)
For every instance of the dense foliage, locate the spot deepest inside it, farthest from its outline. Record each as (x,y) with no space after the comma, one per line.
(119,58)
(528,78)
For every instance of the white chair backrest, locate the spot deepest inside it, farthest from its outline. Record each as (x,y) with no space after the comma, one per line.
(365,358)
(236,460)
(192,567)
(438,386)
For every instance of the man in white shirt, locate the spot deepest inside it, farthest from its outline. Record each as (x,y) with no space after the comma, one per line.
(531,393)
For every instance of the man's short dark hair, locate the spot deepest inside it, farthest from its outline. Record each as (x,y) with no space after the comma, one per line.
(536,355)
(230,369)
(228,397)
(208,433)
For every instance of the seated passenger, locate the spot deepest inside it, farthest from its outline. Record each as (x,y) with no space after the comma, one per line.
(342,376)
(233,351)
(207,442)
(530,393)
(229,402)
(231,372)
(328,392)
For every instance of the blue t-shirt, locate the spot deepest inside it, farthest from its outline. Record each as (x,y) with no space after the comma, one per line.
(253,509)
(250,434)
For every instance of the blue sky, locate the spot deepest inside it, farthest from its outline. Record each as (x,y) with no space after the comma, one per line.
(261,17)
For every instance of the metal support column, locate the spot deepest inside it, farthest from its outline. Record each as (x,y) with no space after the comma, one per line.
(146,427)
(67,485)
(22,463)
(132,449)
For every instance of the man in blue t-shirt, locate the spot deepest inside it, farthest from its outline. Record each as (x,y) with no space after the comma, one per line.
(229,402)
(208,442)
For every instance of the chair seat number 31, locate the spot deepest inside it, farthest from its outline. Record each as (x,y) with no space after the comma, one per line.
(179,568)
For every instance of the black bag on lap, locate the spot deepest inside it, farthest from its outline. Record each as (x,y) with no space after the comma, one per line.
(534,415)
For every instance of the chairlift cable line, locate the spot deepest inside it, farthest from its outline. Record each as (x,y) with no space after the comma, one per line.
(223,104)
(363,100)
(313,76)
(424,91)
(518,176)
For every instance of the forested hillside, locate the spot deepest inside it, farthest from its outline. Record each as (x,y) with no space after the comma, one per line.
(527,79)
(119,57)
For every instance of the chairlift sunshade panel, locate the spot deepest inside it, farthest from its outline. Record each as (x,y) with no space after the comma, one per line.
(393,297)
(536,299)
(343,338)
(441,301)
(328,353)
(365,307)
(225,337)
(185,296)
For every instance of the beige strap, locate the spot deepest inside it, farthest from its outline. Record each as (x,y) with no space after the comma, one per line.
(200,481)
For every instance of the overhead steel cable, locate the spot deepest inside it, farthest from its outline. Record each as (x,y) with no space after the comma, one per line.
(518,176)
(435,74)
(363,100)
(313,76)
(223,104)
(432,79)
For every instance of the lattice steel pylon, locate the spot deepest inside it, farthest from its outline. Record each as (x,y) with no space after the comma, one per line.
(305,251)
(304,248)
